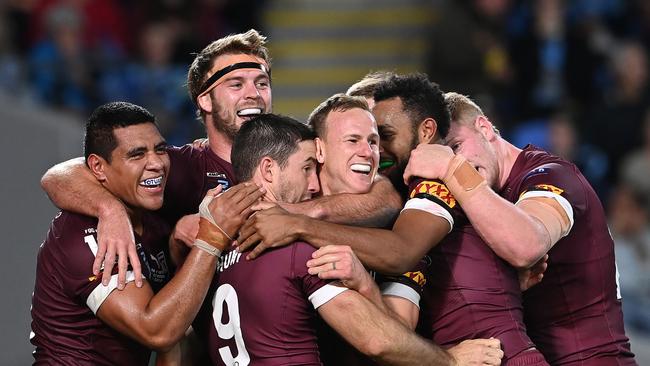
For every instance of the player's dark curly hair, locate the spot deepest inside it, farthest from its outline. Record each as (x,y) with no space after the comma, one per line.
(420,97)
(100,139)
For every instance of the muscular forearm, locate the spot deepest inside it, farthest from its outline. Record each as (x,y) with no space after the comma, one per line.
(514,235)
(379,336)
(377,208)
(71,186)
(379,249)
(159,321)
(170,358)
(171,311)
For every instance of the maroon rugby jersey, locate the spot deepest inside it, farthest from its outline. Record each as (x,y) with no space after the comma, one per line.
(574,315)
(261,312)
(470,291)
(193,172)
(66,295)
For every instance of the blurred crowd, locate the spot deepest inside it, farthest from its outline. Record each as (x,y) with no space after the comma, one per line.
(570,76)
(73,55)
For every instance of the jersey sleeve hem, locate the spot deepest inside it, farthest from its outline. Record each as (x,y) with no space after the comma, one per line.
(325,294)
(428,206)
(400,290)
(566,206)
(101,292)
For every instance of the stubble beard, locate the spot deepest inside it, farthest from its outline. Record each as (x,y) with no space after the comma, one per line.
(229,129)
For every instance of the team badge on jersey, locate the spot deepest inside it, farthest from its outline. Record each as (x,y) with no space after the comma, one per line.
(435,189)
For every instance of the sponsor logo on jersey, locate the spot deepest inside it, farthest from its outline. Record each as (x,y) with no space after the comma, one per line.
(222,180)
(417,277)
(225,184)
(215,175)
(545,187)
(92,278)
(435,189)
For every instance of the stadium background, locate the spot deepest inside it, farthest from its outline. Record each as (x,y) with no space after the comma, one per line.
(570,76)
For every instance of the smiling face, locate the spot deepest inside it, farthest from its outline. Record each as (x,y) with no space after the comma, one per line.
(349,152)
(238,96)
(139,165)
(398,137)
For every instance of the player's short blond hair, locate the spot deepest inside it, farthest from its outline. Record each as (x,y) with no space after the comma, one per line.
(463,110)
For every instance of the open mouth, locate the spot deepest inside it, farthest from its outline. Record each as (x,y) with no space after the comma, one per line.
(152,182)
(249,112)
(361,168)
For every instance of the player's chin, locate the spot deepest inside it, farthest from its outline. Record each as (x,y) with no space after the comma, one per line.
(361,184)
(152,202)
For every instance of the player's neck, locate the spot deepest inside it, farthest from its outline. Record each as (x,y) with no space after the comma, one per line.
(326,188)
(220,144)
(135,215)
(507,154)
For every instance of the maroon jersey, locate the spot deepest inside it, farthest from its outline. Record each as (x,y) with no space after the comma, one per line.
(470,291)
(262,312)
(193,172)
(574,315)
(66,295)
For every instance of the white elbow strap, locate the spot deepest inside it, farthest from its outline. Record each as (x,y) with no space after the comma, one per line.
(550,213)
(462,179)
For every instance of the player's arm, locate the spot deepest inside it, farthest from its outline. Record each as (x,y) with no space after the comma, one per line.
(338,262)
(405,311)
(159,321)
(182,238)
(71,186)
(171,357)
(387,251)
(520,233)
(386,340)
(377,208)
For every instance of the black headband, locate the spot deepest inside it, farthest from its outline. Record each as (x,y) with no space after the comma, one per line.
(239,65)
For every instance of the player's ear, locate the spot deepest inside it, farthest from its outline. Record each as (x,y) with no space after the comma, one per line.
(485,127)
(97,166)
(427,131)
(205,102)
(320,150)
(268,169)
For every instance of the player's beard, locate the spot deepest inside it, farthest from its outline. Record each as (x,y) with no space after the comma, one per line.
(287,192)
(397,175)
(228,128)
